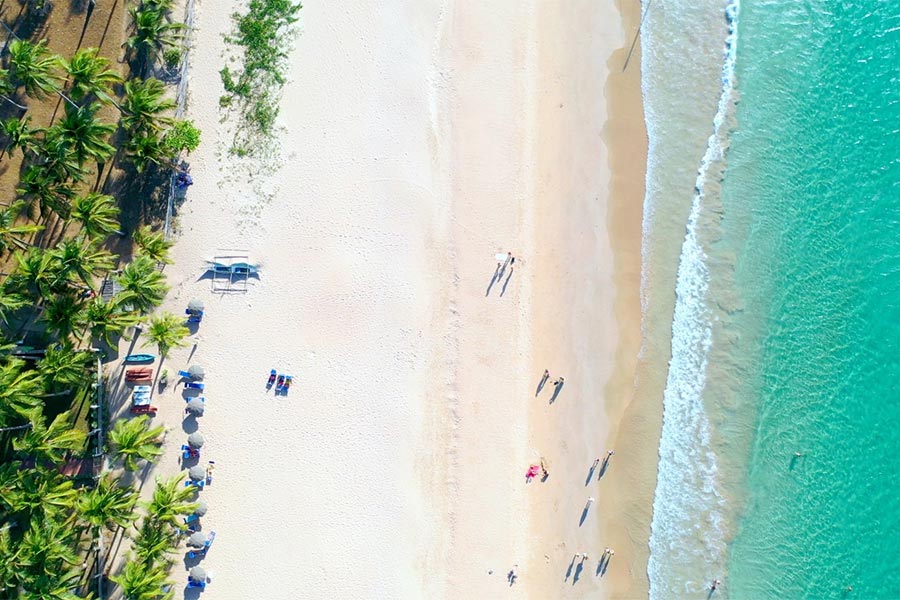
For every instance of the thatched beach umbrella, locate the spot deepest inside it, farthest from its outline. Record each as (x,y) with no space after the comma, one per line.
(201,509)
(195,440)
(195,305)
(198,573)
(196,372)
(197,539)
(196,406)
(197,473)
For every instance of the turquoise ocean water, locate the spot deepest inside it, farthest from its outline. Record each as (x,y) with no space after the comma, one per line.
(786,326)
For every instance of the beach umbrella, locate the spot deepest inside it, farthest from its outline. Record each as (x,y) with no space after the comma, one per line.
(198,573)
(196,406)
(195,305)
(197,473)
(196,372)
(197,539)
(195,440)
(201,509)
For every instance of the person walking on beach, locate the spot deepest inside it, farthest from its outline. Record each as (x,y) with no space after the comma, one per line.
(715,584)
(596,462)
(559,381)
(609,454)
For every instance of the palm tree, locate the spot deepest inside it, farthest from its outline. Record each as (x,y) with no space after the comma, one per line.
(34,275)
(36,494)
(50,443)
(20,392)
(132,441)
(105,320)
(171,501)
(10,301)
(10,233)
(64,313)
(82,135)
(143,287)
(18,135)
(144,149)
(81,260)
(108,503)
(152,33)
(143,581)
(63,367)
(97,214)
(45,559)
(90,75)
(144,104)
(153,244)
(45,184)
(7,89)
(167,331)
(154,542)
(32,67)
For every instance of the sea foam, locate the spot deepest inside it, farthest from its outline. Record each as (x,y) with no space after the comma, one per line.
(687,542)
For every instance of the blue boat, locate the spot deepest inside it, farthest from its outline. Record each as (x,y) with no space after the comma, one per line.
(140,358)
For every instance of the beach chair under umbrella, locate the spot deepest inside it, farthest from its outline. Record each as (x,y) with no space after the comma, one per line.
(197,473)
(196,372)
(197,540)
(196,440)
(201,509)
(198,573)
(196,406)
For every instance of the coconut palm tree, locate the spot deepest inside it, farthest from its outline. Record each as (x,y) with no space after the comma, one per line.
(20,392)
(153,244)
(82,135)
(167,331)
(105,320)
(144,105)
(45,558)
(90,75)
(18,134)
(7,89)
(34,68)
(143,581)
(10,302)
(154,542)
(50,443)
(171,501)
(36,494)
(143,287)
(10,233)
(132,441)
(63,313)
(108,503)
(34,276)
(63,367)
(144,149)
(45,185)
(80,260)
(152,33)
(97,214)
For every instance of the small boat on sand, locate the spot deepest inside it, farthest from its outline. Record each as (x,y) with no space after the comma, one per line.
(140,358)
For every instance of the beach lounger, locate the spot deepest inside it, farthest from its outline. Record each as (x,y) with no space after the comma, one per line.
(193,385)
(138,374)
(272,375)
(194,583)
(202,551)
(188,452)
(143,409)
(141,389)
(198,484)
(192,518)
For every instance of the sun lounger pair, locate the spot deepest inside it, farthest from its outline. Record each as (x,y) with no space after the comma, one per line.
(188,452)
(140,374)
(196,583)
(194,316)
(199,484)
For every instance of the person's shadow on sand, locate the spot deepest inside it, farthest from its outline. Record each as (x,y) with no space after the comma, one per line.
(506,283)
(496,277)
(541,384)
(571,567)
(584,515)
(603,468)
(590,476)
(578,569)
(557,389)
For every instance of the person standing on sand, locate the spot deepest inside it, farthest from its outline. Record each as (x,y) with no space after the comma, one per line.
(609,454)
(714,585)
(596,462)
(559,381)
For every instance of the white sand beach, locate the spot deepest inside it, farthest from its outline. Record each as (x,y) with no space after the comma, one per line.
(420,139)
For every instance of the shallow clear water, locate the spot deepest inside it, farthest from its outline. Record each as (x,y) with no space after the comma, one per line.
(786,334)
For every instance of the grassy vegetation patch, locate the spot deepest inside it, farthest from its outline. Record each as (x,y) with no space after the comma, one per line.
(253,81)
